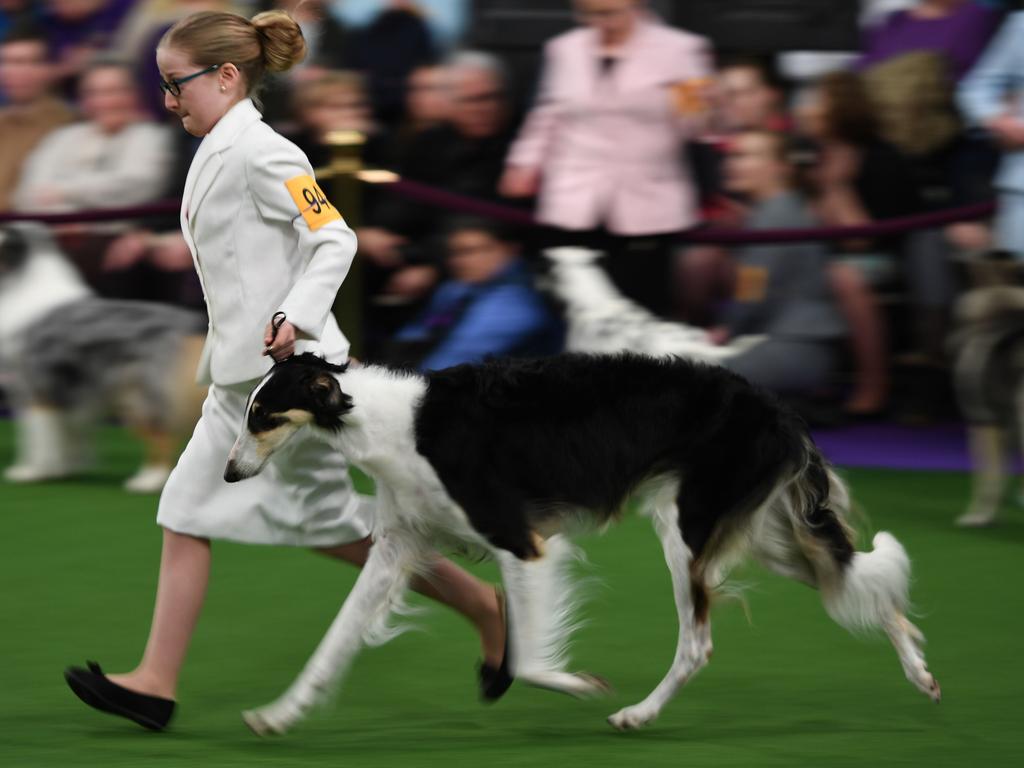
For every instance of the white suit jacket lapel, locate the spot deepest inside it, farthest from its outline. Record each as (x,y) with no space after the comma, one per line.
(207,162)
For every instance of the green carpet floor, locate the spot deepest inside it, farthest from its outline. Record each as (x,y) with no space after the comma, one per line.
(78,565)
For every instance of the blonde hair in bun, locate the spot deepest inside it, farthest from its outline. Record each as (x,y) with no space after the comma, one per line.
(283,43)
(272,42)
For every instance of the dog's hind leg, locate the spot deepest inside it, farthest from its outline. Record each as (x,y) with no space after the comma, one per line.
(860,590)
(380,583)
(693,648)
(540,607)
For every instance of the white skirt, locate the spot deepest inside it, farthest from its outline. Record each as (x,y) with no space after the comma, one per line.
(303,497)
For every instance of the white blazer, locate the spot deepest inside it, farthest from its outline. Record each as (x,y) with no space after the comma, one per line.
(256,250)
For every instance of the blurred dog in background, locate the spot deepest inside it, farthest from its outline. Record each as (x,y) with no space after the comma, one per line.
(70,359)
(988,349)
(600,320)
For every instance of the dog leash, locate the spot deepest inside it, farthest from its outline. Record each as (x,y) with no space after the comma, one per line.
(276,321)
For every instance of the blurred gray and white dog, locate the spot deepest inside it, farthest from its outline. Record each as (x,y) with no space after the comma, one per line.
(988,349)
(600,320)
(69,359)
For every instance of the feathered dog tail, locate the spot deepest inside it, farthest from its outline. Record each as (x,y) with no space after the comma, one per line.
(861,590)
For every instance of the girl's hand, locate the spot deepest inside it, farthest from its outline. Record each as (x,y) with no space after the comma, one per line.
(283,346)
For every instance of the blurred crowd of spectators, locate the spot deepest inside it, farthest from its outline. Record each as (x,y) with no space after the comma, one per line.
(635,132)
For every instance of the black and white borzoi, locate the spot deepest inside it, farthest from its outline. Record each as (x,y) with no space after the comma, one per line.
(508,457)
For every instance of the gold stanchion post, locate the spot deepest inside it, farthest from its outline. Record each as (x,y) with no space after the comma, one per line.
(342,178)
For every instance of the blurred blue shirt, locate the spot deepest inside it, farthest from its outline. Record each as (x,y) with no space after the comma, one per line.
(504,316)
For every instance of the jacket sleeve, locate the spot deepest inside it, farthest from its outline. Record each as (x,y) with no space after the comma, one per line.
(533,143)
(983,94)
(326,251)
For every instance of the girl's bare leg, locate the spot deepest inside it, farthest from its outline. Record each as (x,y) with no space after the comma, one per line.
(184,575)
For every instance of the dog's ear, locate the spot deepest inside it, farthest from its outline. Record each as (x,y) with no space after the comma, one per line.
(329,402)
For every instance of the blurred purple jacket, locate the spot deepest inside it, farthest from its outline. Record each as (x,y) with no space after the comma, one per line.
(608,143)
(96,30)
(960,37)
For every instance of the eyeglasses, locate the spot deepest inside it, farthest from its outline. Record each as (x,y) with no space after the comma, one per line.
(173,86)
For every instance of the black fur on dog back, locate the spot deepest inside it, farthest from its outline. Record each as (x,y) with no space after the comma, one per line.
(516,441)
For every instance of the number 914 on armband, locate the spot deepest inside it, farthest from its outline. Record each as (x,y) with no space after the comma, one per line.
(311,201)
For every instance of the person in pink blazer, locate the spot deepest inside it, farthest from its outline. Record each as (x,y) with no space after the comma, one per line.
(602,146)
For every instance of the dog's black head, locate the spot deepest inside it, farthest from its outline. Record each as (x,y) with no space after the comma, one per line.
(13,250)
(301,390)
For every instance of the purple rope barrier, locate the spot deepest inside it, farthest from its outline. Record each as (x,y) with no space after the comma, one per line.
(441,198)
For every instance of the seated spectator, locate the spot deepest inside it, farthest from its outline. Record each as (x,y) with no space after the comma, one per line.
(78,30)
(860,178)
(602,147)
(32,112)
(857,177)
(911,63)
(112,158)
(463,155)
(782,290)
(748,96)
(151,261)
(486,307)
(327,102)
(428,105)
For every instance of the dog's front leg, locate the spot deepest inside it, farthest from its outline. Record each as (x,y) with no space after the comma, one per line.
(386,571)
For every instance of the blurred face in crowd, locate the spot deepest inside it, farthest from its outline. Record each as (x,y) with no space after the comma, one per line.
(109,99)
(811,113)
(755,166)
(745,99)
(75,10)
(201,102)
(476,256)
(335,105)
(478,103)
(25,71)
(612,19)
(428,99)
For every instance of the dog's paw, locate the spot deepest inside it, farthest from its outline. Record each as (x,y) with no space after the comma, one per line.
(264,721)
(631,718)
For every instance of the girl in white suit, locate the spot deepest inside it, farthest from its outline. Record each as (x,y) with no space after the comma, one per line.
(264,239)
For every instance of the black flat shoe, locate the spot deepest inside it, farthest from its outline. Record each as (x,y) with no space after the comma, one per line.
(494,681)
(93,687)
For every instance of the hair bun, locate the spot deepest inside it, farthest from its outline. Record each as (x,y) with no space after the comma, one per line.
(281,40)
